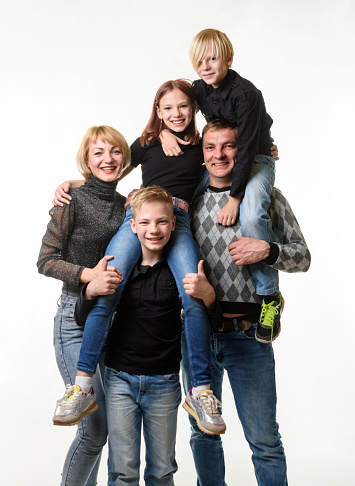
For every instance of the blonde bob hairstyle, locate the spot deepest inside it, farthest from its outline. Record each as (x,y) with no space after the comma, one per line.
(151,194)
(221,46)
(106,134)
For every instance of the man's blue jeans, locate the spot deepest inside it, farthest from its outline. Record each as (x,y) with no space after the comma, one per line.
(83,458)
(183,256)
(133,400)
(251,372)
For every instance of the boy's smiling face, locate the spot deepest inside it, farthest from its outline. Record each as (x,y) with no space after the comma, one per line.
(213,69)
(153,224)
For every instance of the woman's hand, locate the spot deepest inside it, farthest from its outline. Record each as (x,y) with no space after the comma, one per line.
(197,285)
(170,144)
(129,197)
(89,274)
(228,214)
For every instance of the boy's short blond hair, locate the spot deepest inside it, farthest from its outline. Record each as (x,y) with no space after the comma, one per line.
(221,46)
(106,134)
(151,194)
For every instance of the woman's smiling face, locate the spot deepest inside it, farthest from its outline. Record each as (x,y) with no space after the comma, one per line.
(105,160)
(175,110)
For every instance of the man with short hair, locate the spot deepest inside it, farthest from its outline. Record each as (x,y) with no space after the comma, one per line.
(249,363)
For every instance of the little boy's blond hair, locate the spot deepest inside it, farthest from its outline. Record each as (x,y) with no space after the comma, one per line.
(221,46)
(151,194)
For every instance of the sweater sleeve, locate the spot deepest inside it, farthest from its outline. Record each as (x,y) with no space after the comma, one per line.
(294,255)
(51,260)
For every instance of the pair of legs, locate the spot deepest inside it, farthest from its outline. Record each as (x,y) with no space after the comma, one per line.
(83,458)
(183,256)
(133,401)
(251,372)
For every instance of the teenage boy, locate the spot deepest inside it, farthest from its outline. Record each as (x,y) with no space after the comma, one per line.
(143,350)
(250,365)
(223,93)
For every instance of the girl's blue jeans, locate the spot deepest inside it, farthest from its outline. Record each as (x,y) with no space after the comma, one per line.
(183,255)
(83,458)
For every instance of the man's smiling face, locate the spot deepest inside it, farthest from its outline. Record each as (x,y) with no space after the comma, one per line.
(220,153)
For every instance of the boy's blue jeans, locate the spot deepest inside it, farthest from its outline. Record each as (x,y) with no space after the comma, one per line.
(133,401)
(251,372)
(254,218)
(183,256)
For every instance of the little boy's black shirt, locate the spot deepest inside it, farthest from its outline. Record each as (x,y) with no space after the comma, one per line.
(145,335)
(239,101)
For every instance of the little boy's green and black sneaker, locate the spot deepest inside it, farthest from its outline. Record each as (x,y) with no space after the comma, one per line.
(269,325)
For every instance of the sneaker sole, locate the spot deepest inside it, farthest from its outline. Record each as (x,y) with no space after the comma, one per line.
(264,341)
(89,410)
(193,414)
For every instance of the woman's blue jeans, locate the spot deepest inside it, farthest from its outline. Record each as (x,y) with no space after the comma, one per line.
(183,255)
(254,217)
(251,372)
(83,458)
(133,401)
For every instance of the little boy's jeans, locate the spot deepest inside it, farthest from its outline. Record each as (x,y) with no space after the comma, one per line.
(133,401)
(255,220)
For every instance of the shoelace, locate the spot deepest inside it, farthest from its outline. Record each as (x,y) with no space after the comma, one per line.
(67,393)
(210,402)
(268,314)
(73,396)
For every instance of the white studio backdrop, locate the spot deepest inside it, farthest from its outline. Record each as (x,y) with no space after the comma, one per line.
(67,65)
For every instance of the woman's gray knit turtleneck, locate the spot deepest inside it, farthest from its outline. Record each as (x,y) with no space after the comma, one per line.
(77,234)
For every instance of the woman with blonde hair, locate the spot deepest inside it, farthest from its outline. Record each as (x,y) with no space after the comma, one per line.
(73,250)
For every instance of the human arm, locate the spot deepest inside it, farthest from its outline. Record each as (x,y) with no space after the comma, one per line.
(170,143)
(51,261)
(197,285)
(105,283)
(288,253)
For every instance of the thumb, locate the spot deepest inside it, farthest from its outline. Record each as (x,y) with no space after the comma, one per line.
(183,142)
(200,269)
(103,264)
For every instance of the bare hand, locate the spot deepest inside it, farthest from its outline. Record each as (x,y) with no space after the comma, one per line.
(106,280)
(170,144)
(274,152)
(197,285)
(245,251)
(129,197)
(88,274)
(61,194)
(228,214)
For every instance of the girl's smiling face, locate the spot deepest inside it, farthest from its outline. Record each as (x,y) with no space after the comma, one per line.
(105,160)
(175,110)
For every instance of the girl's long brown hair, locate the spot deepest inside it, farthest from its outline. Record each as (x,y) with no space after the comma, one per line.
(155,125)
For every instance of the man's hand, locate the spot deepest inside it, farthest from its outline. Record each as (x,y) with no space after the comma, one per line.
(228,214)
(170,144)
(105,282)
(197,285)
(245,251)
